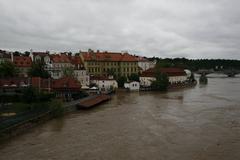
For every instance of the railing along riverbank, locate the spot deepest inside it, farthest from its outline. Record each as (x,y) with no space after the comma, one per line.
(17,124)
(20,123)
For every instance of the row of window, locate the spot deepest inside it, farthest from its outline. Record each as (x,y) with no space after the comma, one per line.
(112,63)
(80,73)
(92,70)
(62,65)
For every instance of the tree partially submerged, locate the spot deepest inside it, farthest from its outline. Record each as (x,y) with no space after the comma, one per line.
(121,80)
(134,77)
(161,83)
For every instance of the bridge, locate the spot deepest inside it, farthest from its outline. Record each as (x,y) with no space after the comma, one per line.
(228,72)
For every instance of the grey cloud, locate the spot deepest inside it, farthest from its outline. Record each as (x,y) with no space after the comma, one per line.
(186,28)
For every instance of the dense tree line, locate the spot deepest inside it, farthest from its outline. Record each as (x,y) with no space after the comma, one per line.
(195,64)
(8,69)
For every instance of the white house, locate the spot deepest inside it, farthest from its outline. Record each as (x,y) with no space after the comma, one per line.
(104,83)
(59,62)
(80,73)
(5,56)
(40,56)
(146,81)
(188,73)
(145,64)
(132,86)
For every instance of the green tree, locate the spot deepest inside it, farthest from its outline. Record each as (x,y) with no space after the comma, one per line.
(8,69)
(17,53)
(134,77)
(30,95)
(37,70)
(57,108)
(111,72)
(161,83)
(26,53)
(121,80)
(192,77)
(77,54)
(68,72)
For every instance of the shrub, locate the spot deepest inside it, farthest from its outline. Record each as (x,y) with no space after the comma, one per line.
(121,81)
(161,83)
(57,108)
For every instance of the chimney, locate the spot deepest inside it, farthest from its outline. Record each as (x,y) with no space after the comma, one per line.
(31,54)
(11,56)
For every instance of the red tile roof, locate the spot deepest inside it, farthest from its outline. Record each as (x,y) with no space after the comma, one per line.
(108,56)
(60,58)
(22,61)
(77,62)
(42,54)
(169,71)
(66,83)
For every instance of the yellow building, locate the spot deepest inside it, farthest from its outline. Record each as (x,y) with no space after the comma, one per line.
(109,63)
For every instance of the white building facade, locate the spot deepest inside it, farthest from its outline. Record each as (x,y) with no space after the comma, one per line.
(104,84)
(175,75)
(146,81)
(132,86)
(145,64)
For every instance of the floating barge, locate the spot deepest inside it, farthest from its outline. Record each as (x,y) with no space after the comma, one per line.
(88,103)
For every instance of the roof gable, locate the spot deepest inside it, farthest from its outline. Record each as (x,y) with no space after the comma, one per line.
(22,61)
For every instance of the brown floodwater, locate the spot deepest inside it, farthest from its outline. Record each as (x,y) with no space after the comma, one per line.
(201,123)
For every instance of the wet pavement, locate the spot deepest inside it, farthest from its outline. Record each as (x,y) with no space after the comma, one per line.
(201,123)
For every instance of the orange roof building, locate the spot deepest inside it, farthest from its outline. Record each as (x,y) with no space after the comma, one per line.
(77,62)
(175,75)
(66,83)
(109,63)
(23,64)
(22,61)
(168,71)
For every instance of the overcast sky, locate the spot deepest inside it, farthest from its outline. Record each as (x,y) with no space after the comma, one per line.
(164,28)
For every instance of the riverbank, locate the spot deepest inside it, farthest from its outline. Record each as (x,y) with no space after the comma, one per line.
(35,119)
(31,115)
(69,107)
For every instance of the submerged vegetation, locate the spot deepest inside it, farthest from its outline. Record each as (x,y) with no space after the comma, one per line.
(203,79)
(27,104)
(161,83)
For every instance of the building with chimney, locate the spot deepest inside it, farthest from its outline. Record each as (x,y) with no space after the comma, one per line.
(109,63)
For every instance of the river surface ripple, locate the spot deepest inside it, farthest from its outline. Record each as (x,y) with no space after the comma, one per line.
(201,123)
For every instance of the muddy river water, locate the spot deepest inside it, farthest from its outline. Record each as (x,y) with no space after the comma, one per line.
(200,123)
